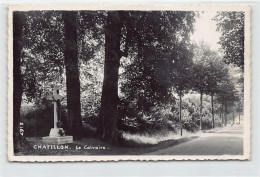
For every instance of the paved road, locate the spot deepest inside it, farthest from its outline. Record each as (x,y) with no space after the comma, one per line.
(227,141)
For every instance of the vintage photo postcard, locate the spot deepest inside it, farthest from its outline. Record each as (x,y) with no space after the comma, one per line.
(128,82)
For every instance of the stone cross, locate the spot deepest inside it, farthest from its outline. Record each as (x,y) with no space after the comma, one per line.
(57,135)
(55,97)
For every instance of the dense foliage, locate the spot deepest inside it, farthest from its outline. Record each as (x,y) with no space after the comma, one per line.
(231,27)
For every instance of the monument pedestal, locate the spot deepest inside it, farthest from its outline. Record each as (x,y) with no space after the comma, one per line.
(57,140)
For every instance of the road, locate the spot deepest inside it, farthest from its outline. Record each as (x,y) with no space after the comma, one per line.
(226,141)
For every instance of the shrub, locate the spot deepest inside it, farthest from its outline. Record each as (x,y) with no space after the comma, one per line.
(39,120)
(159,118)
(165,117)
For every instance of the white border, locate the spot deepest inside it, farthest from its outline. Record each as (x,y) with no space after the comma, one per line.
(183,7)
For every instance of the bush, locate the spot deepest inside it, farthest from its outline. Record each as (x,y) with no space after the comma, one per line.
(159,118)
(165,117)
(39,120)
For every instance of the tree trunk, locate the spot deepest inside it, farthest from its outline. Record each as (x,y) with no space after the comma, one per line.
(180,115)
(212,110)
(225,113)
(201,93)
(233,117)
(72,74)
(109,99)
(18,20)
(222,117)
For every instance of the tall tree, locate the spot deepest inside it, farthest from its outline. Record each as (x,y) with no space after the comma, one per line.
(149,45)
(182,76)
(72,72)
(109,99)
(227,93)
(231,27)
(217,71)
(200,72)
(18,25)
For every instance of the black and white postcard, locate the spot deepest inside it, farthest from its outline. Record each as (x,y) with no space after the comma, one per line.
(128,82)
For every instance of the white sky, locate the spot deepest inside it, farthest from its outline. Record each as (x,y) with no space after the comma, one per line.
(205,30)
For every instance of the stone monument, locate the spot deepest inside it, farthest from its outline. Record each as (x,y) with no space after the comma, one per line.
(56,135)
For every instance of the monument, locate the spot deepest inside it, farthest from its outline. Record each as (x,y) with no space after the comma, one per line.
(57,135)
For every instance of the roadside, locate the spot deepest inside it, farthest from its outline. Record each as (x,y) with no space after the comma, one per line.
(169,145)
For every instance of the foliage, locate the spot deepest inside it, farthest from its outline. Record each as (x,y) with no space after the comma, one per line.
(91,77)
(183,70)
(38,120)
(190,102)
(166,117)
(217,72)
(43,53)
(159,118)
(42,59)
(159,52)
(231,27)
(227,91)
(201,72)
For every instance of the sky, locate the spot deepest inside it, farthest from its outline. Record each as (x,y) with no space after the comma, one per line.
(205,30)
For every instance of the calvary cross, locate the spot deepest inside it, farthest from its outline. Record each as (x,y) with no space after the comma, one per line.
(55,137)
(55,97)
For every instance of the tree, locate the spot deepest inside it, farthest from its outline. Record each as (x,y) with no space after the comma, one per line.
(239,108)
(210,75)
(109,99)
(200,72)
(217,71)
(149,46)
(227,94)
(181,79)
(157,65)
(72,72)
(18,25)
(231,27)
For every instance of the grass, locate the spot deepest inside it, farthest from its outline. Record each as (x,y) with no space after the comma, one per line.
(156,138)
